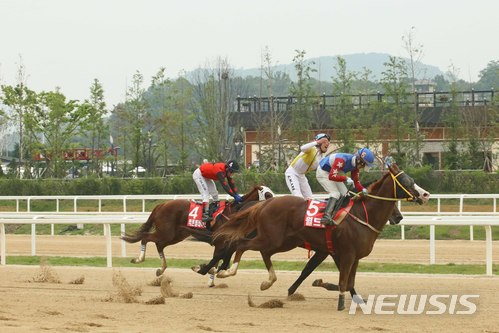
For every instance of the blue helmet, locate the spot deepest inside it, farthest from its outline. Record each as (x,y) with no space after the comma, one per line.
(322,135)
(366,156)
(232,166)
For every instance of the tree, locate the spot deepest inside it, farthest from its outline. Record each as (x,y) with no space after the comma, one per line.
(269,124)
(96,107)
(212,93)
(304,99)
(415,53)
(452,120)
(343,115)
(134,116)
(20,99)
(489,76)
(368,119)
(56,121)
(175,121)
(398,116)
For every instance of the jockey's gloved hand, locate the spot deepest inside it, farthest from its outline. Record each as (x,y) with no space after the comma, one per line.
(349,182)
(364,191)
(237,198)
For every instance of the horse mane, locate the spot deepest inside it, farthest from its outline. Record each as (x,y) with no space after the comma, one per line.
(375,185)
(239,224)
(255,189)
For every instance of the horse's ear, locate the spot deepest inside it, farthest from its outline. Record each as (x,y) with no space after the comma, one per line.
(394,168)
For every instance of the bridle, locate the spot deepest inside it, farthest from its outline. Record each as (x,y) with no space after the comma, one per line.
(262,191)
(396,183)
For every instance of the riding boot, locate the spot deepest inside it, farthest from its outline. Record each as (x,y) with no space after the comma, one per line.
(206,215)
(327,219)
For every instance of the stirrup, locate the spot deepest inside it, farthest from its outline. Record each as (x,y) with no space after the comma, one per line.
(328,222)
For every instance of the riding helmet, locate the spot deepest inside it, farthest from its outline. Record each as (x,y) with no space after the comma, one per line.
(322,135)
(366,156)
(232,166)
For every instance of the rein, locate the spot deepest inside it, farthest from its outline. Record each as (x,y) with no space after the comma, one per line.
(396,183)
(364,223)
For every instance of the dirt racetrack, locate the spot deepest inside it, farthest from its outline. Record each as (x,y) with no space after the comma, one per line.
(27,306)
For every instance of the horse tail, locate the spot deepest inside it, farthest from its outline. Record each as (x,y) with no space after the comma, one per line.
(146,227)
(239,225)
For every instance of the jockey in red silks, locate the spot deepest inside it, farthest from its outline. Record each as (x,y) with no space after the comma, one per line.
(204,177)
(330,174)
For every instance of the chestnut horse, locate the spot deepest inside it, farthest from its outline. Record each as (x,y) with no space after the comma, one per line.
(281,219)
(169,221)
(224,252)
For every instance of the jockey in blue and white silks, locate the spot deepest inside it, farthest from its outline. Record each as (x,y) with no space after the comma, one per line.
(332,171)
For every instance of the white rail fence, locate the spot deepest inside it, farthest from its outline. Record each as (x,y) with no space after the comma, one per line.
(460,217)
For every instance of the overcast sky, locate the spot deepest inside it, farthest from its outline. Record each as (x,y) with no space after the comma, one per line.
(68,43)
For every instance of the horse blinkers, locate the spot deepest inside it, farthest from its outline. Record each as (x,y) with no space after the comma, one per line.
(404,187)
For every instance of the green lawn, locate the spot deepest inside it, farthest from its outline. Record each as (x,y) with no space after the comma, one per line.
(256,264)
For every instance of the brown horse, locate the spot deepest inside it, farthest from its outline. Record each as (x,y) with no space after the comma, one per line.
(169,221)
(225,251)
(279,223)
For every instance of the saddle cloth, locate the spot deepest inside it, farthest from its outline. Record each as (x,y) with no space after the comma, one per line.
(194,218)
(315,211)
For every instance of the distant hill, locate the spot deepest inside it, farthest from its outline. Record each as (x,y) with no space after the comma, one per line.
(355,62)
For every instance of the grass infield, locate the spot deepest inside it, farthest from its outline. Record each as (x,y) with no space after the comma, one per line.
(328,265)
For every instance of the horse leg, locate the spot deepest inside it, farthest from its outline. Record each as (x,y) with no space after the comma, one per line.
(205,268)
(142,255)
(226,260)
(311,265)
(261,241)
(334,287)
(345,269)
(233,268)
(353,293)
(160,248)
(272,277)
(351,283)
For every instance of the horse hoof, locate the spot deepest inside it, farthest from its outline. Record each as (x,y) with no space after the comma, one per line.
(222,274)
(133,261)
(357,299)
(317,283)
(196,268)
(265,285)
(159,272)
(341,303)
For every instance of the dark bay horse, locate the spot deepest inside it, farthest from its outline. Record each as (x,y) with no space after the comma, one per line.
(169,223)
(279,224)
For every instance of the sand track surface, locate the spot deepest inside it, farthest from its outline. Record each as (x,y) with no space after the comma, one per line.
(28,306)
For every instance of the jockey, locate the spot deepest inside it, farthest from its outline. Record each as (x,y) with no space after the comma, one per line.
(328,175)
(308,160)
(204,177)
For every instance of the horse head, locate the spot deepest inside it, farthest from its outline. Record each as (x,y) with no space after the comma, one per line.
(405,187)
(258,193)
(396,216)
